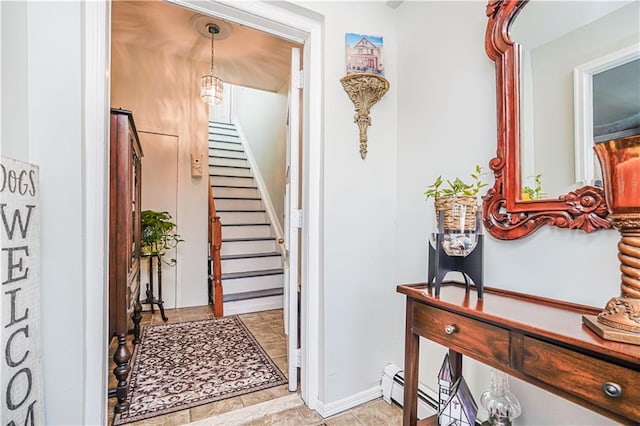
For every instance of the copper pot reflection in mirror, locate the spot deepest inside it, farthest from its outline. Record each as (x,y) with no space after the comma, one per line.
(506,215)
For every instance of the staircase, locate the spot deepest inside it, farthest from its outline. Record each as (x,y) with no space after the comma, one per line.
(252,272)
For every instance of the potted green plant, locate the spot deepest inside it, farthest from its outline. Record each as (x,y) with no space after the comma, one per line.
(457,200)
(157,233)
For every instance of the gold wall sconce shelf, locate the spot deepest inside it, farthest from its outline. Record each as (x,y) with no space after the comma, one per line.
(364,90)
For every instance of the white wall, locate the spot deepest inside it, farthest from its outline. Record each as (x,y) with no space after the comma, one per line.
(14,79)
(263,117)
(446,124)
(359,213)
(44,127)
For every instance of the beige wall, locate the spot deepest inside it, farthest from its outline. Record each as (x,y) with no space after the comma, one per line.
(163,94)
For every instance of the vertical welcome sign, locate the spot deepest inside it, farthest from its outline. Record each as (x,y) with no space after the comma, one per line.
(21,371)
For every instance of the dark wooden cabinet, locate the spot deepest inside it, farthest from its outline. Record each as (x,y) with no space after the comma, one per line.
(124,242)
(538,340)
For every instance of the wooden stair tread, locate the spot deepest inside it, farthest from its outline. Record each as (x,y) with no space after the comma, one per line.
(247,224)
(241,211)
(234,186)
(256,294)
(231,240)
(236,198)
(249,255)
(249,274)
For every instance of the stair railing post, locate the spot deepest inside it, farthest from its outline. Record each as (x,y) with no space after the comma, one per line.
(215,245)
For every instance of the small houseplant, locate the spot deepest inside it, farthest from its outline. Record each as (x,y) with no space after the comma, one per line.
(157,233)
(533,193)
(457,201)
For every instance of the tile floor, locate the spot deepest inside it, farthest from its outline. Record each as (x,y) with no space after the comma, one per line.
(268,329)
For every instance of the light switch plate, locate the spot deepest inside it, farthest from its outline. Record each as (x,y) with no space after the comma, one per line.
(196,165)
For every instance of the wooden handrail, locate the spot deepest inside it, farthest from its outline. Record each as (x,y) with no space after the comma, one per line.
(215,244)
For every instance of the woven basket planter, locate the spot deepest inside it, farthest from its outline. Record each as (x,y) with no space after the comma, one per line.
(459,213)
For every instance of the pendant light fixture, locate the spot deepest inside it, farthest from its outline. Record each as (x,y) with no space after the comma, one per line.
(211,85)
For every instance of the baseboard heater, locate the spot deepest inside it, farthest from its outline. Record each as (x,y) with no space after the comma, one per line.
(393,391)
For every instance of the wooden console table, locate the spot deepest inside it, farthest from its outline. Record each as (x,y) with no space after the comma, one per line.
(538,340)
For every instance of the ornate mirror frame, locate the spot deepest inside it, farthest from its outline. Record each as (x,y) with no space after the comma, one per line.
(505,215)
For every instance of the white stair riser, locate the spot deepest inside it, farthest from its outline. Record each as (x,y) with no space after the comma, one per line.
(247,247)
(226,153)
(242,285)
(238,204)
(222,191)
(223,135)
(230,218)
(222,130)
(225,145)
(232,181)
(229,171)
(246,231)
(230,266)
(236,162)
(253,305)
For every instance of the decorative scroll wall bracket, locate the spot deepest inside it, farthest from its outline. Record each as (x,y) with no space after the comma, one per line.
(364,90)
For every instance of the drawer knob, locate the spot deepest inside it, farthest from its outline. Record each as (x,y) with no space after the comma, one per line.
(450,329)
(612,390)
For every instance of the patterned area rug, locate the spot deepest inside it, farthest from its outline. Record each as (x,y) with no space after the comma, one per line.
(179,366)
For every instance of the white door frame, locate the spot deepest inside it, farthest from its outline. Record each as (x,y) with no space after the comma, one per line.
(583,108)
(291,225)
(261,15)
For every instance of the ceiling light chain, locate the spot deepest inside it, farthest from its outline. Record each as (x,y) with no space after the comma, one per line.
(213,30)
(210,85)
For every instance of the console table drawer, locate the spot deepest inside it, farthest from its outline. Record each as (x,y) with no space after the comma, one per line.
(463,334)
(584,376)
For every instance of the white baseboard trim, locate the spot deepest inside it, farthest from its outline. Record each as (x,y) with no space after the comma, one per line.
(335,407)
(253,305)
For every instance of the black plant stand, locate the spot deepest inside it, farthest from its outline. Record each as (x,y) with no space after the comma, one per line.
(150,299)
(470,266)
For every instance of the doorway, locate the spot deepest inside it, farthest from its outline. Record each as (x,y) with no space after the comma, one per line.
(310,245)
(304,27)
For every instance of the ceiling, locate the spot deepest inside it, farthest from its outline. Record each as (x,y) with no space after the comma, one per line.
(243,56)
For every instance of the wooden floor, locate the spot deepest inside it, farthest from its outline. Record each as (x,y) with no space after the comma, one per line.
(268,329)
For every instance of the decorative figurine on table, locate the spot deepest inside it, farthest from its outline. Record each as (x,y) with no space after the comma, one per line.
(456,405)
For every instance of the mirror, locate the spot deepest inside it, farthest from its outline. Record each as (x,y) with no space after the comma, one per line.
(538,135)
(552,52)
